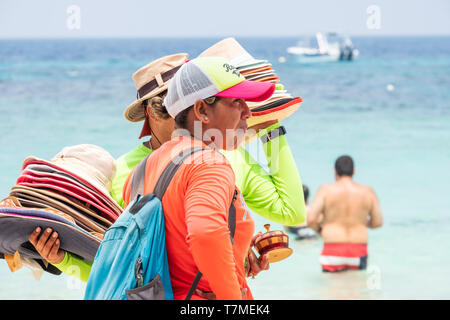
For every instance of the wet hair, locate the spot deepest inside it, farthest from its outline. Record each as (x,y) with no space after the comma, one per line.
(181,118)
(344,166)
(305,193)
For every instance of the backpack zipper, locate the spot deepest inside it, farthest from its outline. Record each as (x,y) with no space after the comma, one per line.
(138,273)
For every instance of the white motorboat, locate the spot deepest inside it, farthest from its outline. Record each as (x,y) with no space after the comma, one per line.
(327,47)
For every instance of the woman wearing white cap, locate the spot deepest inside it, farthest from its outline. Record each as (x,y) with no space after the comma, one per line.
(206,98)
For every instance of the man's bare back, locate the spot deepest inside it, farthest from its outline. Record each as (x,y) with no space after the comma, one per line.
(341,212)
(345,210)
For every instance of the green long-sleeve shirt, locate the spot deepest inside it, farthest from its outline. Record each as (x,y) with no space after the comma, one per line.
(276,195)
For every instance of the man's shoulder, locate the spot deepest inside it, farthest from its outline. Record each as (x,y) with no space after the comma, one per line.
(327,186)
(324,190)
(364,188)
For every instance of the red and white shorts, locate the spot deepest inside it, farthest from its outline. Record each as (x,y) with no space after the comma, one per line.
(343,256)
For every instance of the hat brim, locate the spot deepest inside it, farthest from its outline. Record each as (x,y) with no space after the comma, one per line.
(71,190)
(275,112)
(134,112)
(83,214)
(250,70)
(35,198)
(81,177)
(249,90)
(16,225)
(251,63)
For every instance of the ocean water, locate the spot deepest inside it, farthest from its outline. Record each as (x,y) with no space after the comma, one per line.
(55,93)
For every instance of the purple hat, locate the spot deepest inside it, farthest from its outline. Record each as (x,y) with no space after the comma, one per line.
(16,225)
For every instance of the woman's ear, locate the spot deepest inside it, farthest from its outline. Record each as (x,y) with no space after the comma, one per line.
(201,111)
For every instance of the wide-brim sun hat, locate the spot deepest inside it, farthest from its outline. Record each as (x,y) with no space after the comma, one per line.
(81,194)
(16,225)
(92,165)
(151,80)
(86,217)
(45,170)
(204,77)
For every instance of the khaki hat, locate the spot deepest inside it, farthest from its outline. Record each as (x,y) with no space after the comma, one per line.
(231,50)
(151,80)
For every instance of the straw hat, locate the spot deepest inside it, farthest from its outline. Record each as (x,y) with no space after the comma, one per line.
(151,80)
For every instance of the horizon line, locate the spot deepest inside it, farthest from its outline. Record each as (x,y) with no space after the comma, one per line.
(209,37)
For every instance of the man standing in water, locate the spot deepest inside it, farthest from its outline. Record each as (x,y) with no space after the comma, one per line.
(341,213)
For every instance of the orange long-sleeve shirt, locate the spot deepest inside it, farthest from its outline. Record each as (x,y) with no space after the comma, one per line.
(196,206)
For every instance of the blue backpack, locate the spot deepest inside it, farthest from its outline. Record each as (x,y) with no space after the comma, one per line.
(131,262)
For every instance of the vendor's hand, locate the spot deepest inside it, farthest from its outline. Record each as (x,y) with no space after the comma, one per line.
(263,125)
(47,245)
(212,296)
(254,265)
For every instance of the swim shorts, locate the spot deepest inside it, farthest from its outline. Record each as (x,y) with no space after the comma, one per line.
(343,256)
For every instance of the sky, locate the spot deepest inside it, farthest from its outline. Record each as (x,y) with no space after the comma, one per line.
(209,18)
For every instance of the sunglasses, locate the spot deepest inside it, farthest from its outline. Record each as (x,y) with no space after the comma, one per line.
(211,100)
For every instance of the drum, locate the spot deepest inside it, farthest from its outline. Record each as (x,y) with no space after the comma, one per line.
(274,243)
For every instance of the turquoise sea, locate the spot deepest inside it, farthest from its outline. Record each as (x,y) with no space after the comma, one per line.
(55,93)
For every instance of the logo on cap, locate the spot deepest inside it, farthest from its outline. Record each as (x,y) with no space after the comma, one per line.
(228,67)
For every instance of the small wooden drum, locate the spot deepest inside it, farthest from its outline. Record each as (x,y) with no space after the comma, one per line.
(274,243)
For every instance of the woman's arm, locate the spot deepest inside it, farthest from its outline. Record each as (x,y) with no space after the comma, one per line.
(276,195)
(75,267)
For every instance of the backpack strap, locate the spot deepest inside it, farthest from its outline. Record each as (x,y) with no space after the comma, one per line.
(170,170)
(137,182)
(232,228)
(137,190)
(232,217)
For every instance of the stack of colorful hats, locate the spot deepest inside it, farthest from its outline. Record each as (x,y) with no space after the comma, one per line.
(280,105)
(69,193)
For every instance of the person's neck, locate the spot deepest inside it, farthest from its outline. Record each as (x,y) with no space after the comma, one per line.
(344,179)
(186,133)
(152,144)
